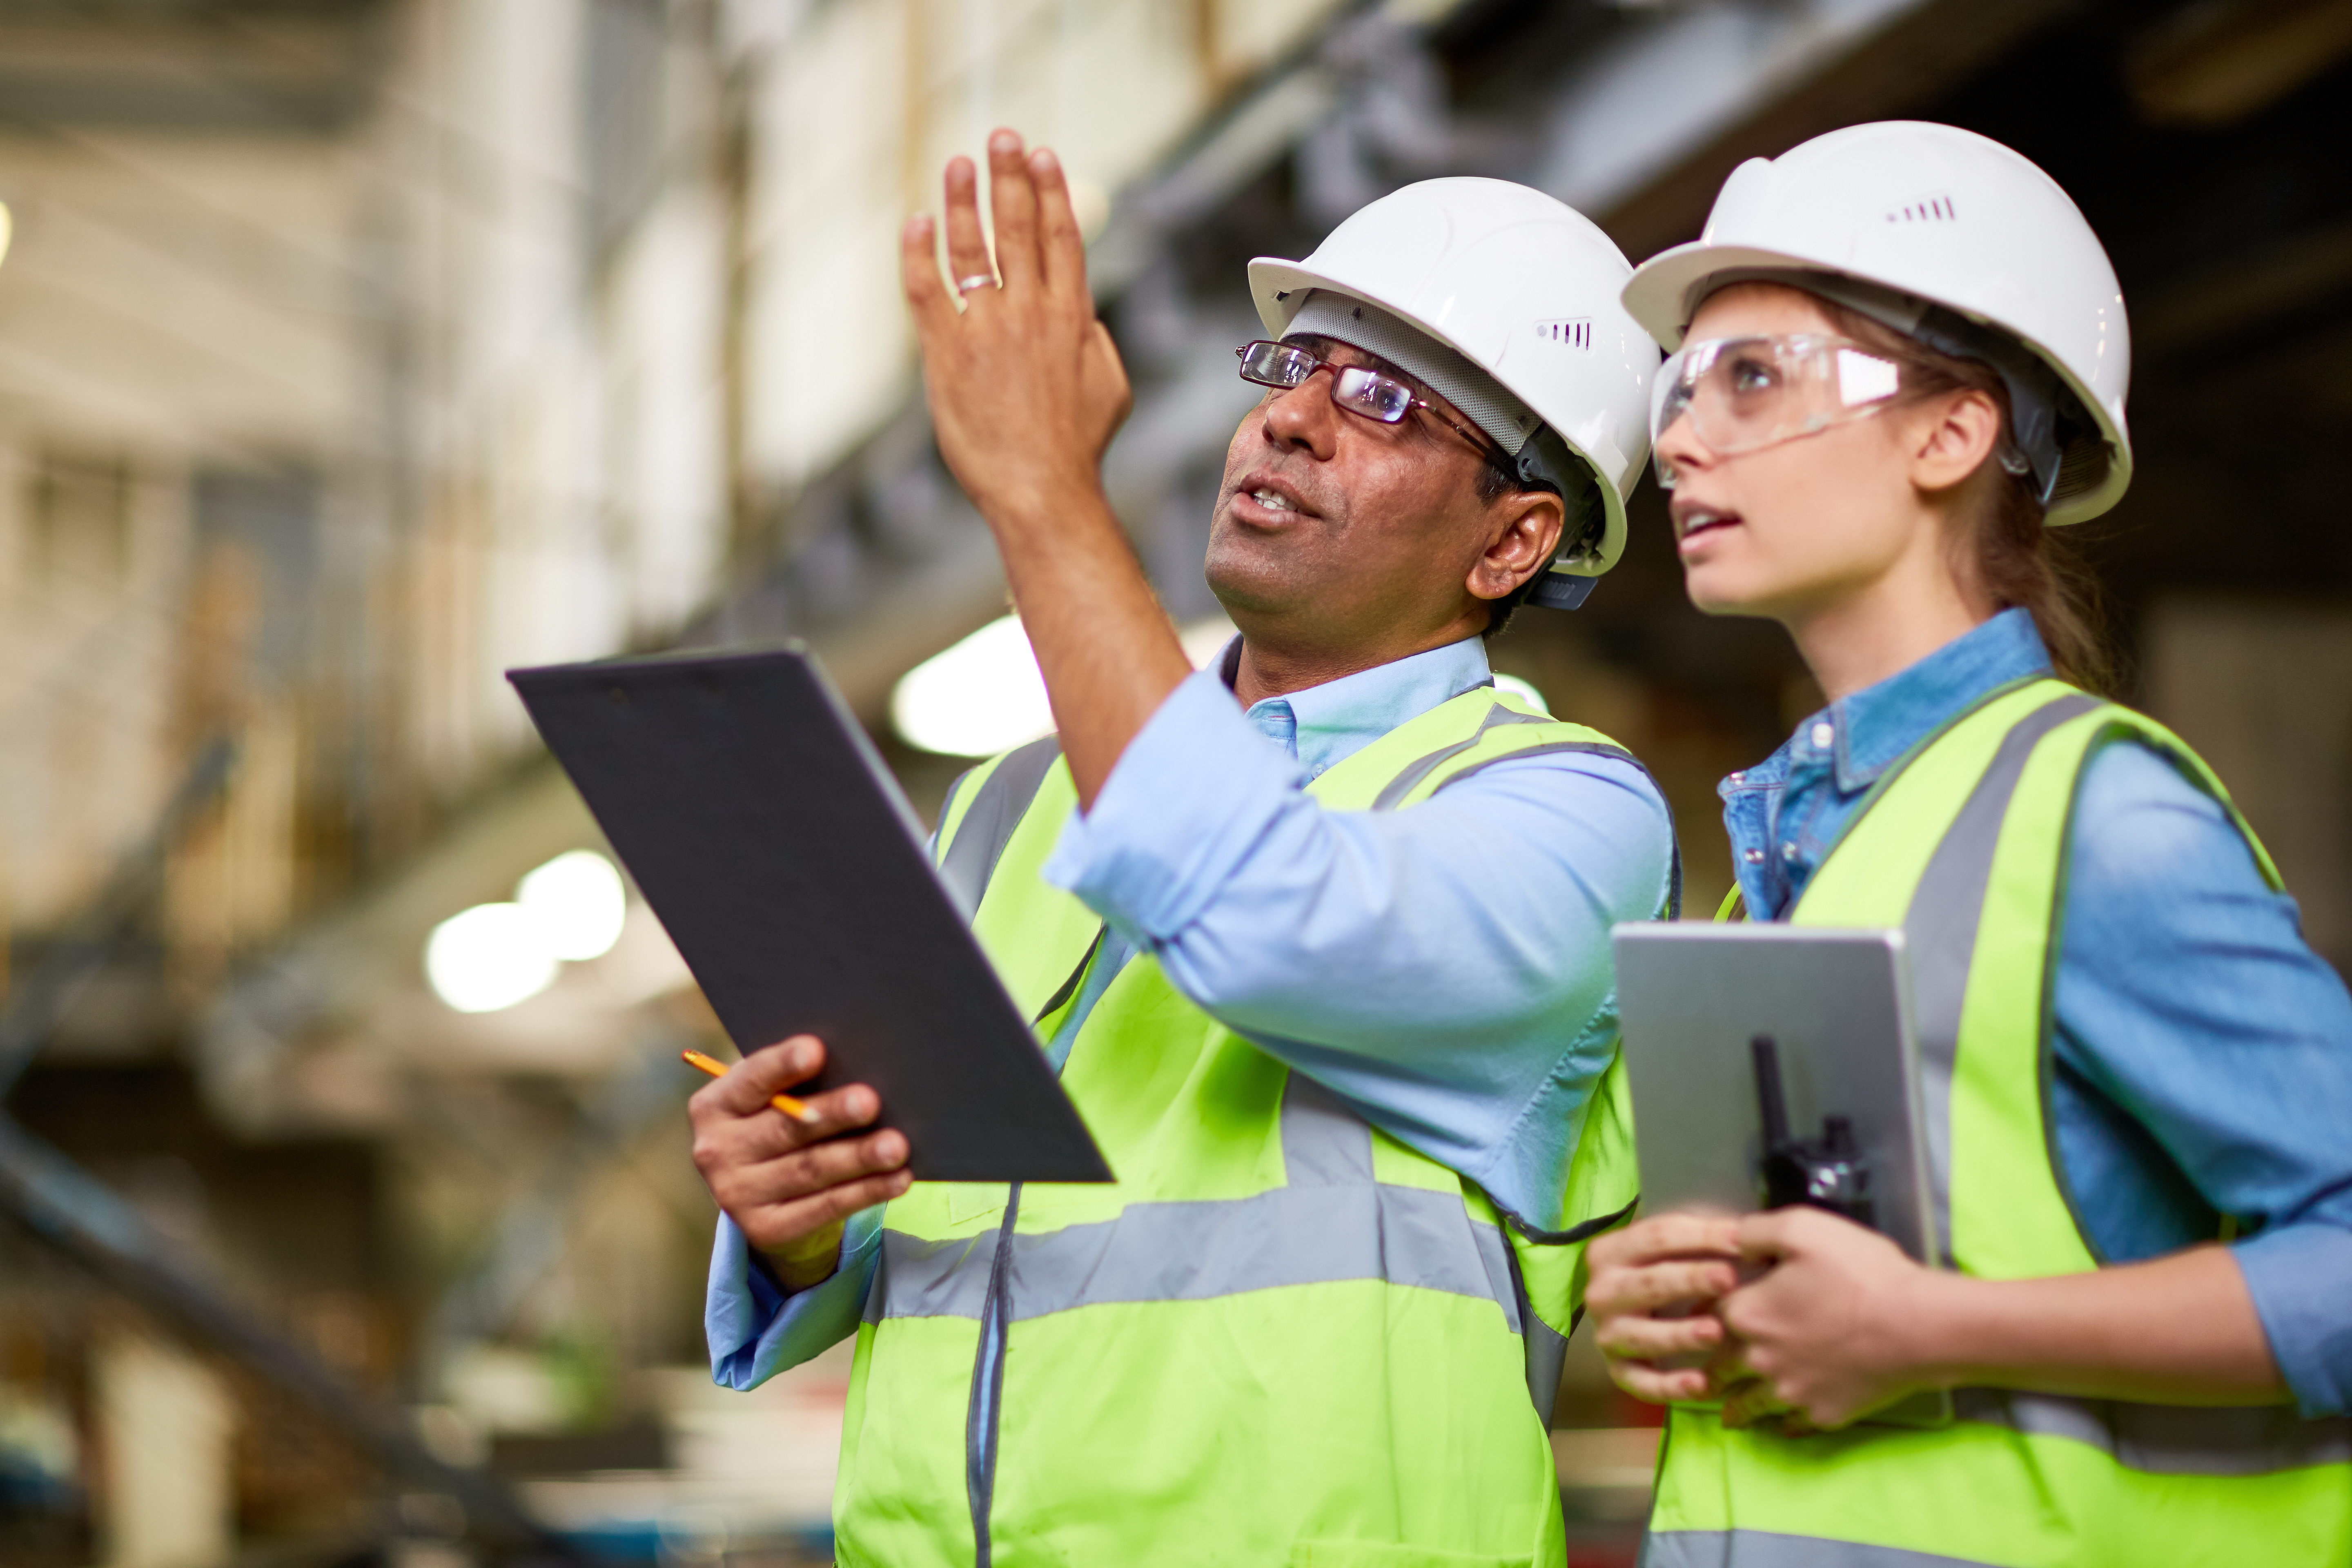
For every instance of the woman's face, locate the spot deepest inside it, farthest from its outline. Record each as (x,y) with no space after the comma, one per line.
(1787,531)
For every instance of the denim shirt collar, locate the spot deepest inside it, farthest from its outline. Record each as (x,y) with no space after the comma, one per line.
(1860,736)
(1785,815)
(1325,725)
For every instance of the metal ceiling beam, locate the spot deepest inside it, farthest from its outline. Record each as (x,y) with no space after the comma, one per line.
(300,67)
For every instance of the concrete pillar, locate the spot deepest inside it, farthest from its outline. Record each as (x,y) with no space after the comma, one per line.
(2262,689)
(164,1424)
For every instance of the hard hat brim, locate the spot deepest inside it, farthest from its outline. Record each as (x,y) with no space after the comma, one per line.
(1279,287)
(1659,297)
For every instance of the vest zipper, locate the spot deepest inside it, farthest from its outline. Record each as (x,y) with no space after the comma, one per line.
(980,1415)
(983,1412)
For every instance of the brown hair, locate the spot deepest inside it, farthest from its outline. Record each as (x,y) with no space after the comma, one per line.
(2004,547)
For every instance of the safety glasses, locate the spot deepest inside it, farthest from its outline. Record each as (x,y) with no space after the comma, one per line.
(1371,393)
(1742,394)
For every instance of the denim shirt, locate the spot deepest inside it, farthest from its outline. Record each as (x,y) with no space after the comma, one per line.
(1445,969)
(2201,1052)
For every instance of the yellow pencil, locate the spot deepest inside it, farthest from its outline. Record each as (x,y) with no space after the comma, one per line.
(796,1109)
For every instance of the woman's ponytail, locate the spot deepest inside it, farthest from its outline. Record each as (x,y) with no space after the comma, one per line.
(2018,561)
(2004,548)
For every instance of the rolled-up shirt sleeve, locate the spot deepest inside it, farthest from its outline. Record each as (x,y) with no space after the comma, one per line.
(756,1329)
(2205,1062)
(1445,967)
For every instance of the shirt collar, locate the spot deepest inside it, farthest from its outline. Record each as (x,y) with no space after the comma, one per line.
(1869,731)
(1324,725)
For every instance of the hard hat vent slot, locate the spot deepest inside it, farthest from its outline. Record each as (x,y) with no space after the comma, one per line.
(1574,334)
(1927,209)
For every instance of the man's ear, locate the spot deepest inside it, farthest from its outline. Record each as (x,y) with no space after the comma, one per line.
(1523,532)
(1952,437)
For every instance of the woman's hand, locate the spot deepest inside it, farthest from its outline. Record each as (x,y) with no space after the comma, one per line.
(1829,1330)
(1649,1289)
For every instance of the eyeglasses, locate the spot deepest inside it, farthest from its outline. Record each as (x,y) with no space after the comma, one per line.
(1742,394)
(1371,393)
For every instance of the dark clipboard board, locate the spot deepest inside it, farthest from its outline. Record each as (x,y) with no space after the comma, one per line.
(774,846)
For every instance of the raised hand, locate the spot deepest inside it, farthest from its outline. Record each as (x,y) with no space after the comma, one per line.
(1026,388)
(1026,391)
(790,1185)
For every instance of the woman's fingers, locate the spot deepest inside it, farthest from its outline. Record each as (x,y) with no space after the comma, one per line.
(1646,1290)
(1665,1236)
(1658,1386)
(1748,1402)
(1013,200)
(967,247)
(1061,246)
(1653,1338)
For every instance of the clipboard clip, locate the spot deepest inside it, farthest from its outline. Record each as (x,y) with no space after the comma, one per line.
(1826,1173)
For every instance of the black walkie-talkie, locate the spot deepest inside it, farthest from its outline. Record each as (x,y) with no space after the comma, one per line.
(1828,1172)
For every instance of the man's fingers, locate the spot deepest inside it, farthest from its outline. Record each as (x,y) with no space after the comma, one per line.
(1061,246)
(919,268)
(776,1227)
(767,1072)
(803,1173)
(967,247)
(1104,375)
(1013,199)
(753,1139)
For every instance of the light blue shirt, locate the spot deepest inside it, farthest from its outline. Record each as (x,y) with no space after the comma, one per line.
(1443,968)
(2201,1053)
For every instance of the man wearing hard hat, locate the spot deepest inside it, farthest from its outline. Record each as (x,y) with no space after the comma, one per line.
(1318,938)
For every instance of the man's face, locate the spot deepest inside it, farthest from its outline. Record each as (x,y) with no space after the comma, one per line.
(1333,527)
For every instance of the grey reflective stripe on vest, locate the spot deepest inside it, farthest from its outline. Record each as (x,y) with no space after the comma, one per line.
(1545,1347)
(1940,931)
(987,828)
(1324,1143)
(1332,1221)
(2169,1439)
(1199,1251)
(1421,767)
(1764,1549)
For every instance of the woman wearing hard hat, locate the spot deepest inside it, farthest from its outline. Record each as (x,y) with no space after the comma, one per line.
(1899,357)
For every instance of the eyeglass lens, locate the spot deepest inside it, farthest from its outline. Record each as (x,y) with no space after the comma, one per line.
(1742,393)
(1360,391)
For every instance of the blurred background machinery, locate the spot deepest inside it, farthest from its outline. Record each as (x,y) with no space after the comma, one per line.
(352,351)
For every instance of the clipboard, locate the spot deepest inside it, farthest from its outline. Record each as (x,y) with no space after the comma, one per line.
(769,838)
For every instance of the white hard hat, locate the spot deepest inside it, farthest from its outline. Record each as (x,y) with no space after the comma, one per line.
(1527,290)
(1899,217)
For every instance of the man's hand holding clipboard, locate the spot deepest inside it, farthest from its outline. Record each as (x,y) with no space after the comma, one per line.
(790,1182)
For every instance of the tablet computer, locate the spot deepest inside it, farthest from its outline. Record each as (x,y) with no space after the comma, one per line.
(769,837)
(1833,1013)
